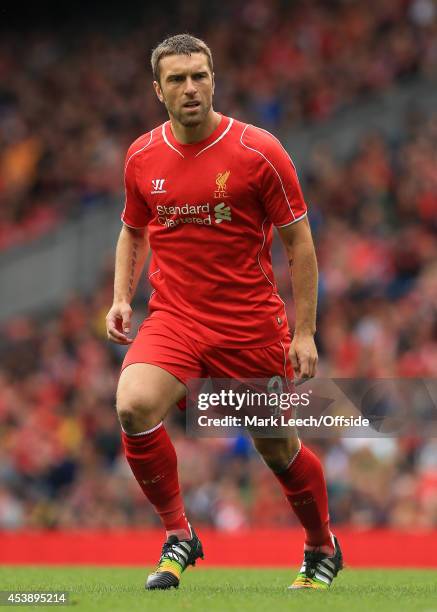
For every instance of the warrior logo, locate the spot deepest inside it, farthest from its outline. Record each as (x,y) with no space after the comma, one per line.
(158,186)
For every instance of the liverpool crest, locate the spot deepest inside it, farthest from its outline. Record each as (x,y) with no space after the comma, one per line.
(220,181)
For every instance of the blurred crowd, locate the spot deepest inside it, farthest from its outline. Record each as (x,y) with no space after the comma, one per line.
(374,219)
(74,96)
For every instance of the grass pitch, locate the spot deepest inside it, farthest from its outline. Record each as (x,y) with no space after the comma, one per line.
(227,589)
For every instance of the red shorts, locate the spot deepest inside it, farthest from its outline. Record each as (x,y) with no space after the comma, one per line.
(158,343)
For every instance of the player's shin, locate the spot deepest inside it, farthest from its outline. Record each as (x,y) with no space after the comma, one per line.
(152,459)
(304,485)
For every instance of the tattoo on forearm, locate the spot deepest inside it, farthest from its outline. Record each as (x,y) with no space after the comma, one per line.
(133,266)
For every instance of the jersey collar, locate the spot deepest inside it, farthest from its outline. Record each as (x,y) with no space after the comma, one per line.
(197,148)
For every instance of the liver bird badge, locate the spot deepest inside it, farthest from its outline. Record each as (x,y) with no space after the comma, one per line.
(220,181)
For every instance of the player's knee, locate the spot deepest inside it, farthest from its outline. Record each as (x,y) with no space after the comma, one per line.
(277,453)
(137,412)
(275,461)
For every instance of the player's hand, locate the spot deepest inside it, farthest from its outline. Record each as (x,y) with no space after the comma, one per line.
(303,356)
(118,322)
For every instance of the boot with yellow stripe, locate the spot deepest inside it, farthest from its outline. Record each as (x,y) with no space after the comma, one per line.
(318,569)
(176,556)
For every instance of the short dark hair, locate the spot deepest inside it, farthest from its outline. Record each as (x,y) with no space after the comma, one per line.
(180,44)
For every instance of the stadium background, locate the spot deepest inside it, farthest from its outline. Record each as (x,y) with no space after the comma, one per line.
(349,87)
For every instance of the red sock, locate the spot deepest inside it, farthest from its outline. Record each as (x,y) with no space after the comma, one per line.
(152,458)
(304,485)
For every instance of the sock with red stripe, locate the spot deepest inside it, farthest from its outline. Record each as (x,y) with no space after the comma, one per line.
(152,459)
(304,485)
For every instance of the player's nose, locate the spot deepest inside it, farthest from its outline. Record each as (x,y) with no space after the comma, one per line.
(190,87)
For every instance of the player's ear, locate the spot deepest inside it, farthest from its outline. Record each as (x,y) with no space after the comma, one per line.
(213,82)
(158,91)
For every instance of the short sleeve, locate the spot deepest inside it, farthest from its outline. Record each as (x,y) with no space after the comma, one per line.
(136,213)
(281,193)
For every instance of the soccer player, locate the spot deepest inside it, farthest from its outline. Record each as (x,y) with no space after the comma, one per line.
(203,191)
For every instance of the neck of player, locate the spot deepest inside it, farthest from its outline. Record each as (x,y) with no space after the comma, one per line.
(195,133)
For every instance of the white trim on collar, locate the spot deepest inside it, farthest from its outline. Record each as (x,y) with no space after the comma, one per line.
(164,135)
(222,135)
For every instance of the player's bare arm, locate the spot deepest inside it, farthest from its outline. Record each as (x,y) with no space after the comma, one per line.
(302,262)
(130,256)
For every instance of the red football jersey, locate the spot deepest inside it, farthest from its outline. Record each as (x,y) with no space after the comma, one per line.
(209,208)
